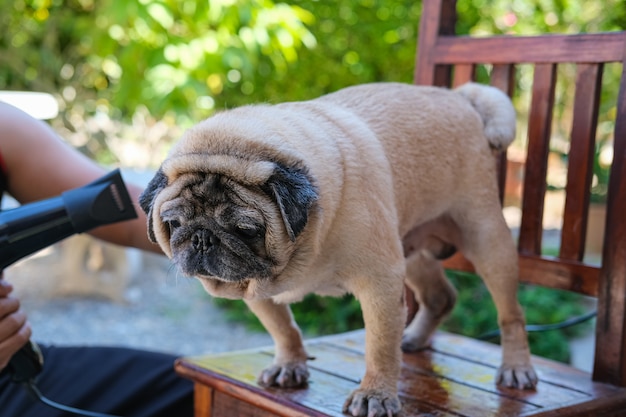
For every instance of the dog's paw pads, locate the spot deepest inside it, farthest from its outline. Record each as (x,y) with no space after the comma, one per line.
(289,375)
(372,403)
(520,377)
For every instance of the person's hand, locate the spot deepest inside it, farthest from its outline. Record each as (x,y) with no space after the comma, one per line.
(14,328)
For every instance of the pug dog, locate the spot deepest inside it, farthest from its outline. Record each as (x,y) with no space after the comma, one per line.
(359,191)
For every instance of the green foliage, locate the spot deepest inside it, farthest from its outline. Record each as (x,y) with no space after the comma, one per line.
(533,17)
(179,61)
(188,58)
(168,56)
(315,315)
(475,314)
(358,41)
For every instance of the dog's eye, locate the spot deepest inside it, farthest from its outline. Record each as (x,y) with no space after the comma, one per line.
(247,231)
(173,224)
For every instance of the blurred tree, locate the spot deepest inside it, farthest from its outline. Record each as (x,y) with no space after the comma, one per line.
(169,56)
(358,41)
(178,61)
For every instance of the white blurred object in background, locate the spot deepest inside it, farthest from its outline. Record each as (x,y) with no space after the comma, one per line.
(41,106)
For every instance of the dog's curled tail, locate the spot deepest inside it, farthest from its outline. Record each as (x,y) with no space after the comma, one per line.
(496,111)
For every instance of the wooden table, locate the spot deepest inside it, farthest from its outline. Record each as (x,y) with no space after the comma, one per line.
(453,378)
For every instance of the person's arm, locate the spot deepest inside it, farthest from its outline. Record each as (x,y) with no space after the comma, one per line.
(40,165)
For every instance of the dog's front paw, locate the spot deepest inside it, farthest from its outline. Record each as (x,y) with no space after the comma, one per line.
(287,375)
(518,376)
(372,403)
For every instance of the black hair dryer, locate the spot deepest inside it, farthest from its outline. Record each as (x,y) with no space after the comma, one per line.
(34,226)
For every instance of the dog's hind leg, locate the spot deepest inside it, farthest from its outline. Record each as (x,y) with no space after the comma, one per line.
(434,295)
(487,243)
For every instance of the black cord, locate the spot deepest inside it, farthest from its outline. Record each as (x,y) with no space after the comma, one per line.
(545,327)
(32,388)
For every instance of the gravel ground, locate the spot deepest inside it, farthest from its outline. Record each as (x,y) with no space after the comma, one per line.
(154,309)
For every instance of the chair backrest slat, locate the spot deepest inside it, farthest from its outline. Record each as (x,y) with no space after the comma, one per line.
(463,73)
(438,18)
(547,49)
(559,273)
(503,77)
(539,128)
(580,160)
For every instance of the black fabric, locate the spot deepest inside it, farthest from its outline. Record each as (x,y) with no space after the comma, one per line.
(119,381)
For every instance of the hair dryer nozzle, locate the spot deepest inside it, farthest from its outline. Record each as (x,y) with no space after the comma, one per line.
(104,201)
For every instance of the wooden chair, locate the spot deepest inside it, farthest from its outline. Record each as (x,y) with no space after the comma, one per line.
(455,376)
(447,60)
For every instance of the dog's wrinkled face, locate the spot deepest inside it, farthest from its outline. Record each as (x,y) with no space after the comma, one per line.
(214,232)
(214,226)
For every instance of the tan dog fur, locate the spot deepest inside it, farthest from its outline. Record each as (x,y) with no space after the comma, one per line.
(403,173)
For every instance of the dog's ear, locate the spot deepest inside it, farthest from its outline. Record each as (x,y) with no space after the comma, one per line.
(146,199)
(295,194)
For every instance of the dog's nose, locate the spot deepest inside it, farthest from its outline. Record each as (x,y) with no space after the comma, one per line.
(202,240)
